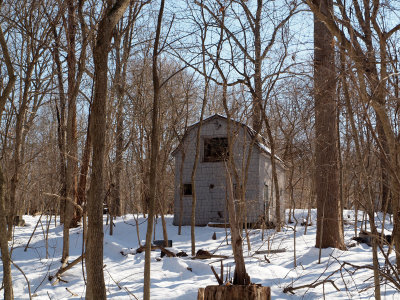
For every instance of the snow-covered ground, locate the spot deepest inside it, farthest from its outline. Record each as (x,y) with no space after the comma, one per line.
(180,278)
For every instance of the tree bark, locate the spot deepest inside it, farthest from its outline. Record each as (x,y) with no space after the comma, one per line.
(5,254)
(329,214)
(71,143)
(234,292)
(61,133)
(81,189)
(94,264)
(153,156)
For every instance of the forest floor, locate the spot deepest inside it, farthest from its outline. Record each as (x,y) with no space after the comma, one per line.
(180,278)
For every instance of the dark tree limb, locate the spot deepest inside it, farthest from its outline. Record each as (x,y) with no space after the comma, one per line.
(291,289)
(64,269)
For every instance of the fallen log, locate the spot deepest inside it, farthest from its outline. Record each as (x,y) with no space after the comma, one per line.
(271,251)
(366,237)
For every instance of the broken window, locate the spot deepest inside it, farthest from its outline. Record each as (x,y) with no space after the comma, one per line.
(187,189)
(215,149)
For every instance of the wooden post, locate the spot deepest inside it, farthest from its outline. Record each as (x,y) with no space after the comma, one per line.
(234,292)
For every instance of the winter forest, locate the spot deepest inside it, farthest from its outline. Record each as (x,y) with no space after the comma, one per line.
(96,96)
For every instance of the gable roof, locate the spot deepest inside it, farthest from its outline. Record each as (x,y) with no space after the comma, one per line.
(260,141)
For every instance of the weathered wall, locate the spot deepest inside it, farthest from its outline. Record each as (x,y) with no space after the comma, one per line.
(211,177)
(266,179)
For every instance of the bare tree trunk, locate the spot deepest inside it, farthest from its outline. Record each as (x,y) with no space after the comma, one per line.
(18,145)
(61,137)
(71,144)
(372,78)
(329,216)
(73,94)
(5,254)
(153,156)
(193,181)
(120,82)
(362,171)
(94,249)
(122,34)
(240,275)
(197,153)
(275,182)
(162,198)
(258,85)
(163,222)
(236,215)
(181,171)
(181,190)
(81,190)
(116,195)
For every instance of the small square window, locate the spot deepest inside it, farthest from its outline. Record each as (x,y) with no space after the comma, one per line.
(187,189)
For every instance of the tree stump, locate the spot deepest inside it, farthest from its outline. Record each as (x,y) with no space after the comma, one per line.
(234,292)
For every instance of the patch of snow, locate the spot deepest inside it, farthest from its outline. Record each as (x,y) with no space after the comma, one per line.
(180,278)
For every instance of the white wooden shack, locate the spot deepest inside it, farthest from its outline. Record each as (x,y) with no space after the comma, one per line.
(210,176)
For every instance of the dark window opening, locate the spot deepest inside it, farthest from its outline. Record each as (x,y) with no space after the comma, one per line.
(215,149)
(187,189)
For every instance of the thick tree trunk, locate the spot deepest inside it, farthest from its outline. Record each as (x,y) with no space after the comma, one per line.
(94,264)
(329,214)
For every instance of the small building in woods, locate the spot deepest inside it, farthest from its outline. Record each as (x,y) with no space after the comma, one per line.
(211,173)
